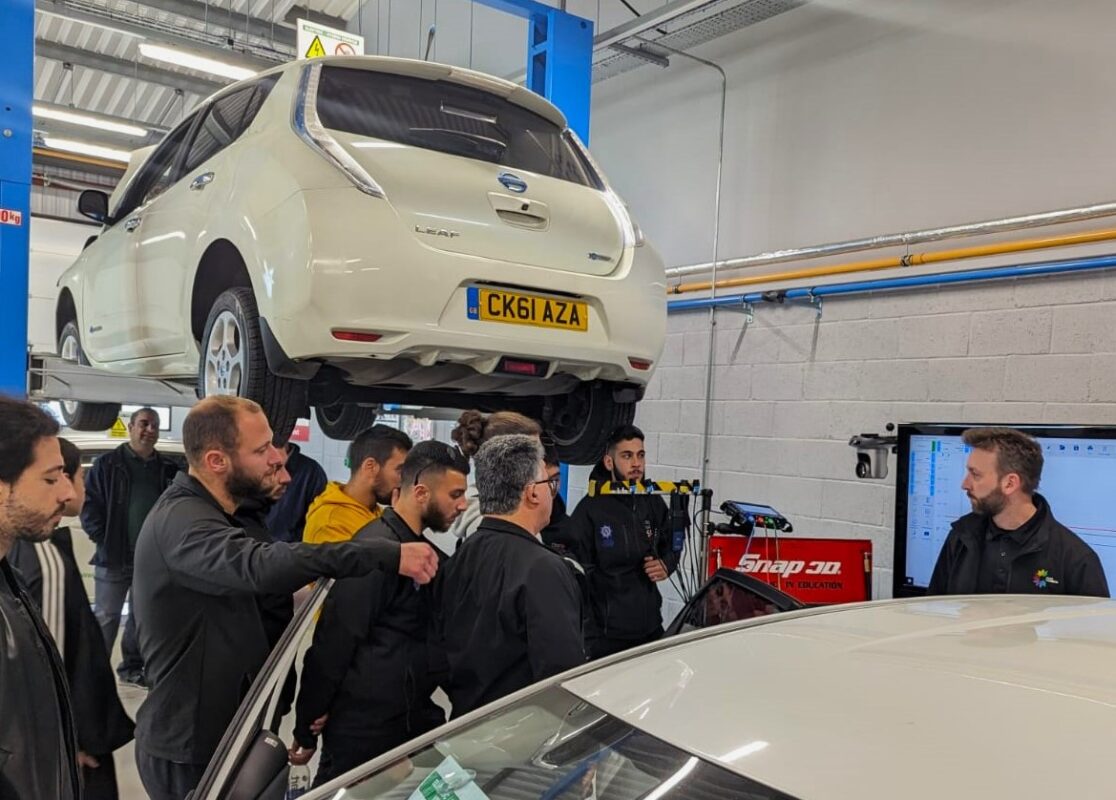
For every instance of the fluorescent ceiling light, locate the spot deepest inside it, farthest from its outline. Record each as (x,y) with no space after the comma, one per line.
(77,118)
(182,58)
(86,149)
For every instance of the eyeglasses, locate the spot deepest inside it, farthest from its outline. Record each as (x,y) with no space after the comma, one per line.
(554,482)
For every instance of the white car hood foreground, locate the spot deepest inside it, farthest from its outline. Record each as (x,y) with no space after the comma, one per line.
(1006,696)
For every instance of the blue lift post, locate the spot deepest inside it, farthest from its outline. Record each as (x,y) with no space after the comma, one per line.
(559,57)
(16,90)
(560,68)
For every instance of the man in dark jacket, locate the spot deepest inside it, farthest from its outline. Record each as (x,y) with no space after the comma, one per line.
(38,746)
(52,578)
(121,488)
(626,545)
(371,668)
(509,608)
(1011,543)
(197,579)
(286,516)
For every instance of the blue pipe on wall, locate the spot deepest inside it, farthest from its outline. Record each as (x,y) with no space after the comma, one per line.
(909,282)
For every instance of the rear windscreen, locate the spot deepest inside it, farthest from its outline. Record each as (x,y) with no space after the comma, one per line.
(449,118)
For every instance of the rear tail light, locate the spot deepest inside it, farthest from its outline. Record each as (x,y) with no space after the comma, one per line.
(309,127)
(523,366)
(639,363)
(356,336)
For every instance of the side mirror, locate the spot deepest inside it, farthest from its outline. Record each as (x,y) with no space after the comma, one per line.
(94,204)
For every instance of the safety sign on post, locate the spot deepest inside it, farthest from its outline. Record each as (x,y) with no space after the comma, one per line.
(11,216)
(315,41)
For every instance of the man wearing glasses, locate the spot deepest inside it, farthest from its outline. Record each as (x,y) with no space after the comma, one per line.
(368,678)
(509,607)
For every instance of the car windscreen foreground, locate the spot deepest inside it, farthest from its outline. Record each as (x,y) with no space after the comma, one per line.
(551,745)
(448,117)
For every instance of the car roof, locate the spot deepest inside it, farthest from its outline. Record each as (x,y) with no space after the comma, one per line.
(992,696)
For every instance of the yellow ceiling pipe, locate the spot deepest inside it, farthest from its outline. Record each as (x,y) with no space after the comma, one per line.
(870,265)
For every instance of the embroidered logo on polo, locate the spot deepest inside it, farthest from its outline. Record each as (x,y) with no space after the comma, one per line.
(1042,579)
(606,536)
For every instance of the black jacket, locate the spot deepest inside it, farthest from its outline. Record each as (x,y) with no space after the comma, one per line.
(197,578)
(611,535)
(53,580)
(1071,566)
(104,517)
(38,746)
(287,518)
(371,667)
(509,614)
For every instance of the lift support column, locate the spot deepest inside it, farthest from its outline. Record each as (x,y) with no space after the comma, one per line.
(16,89)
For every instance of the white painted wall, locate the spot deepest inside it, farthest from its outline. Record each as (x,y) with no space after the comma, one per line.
(857,117)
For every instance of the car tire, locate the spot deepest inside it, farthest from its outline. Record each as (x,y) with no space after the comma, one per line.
(78,415)
(580,428)
(345,421)
(233,362)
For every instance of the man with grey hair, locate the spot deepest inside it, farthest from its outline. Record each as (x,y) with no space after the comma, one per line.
(510,610)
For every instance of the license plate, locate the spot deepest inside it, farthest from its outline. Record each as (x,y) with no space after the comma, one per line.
(495,305)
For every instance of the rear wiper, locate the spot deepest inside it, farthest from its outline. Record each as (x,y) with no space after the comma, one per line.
(485,144)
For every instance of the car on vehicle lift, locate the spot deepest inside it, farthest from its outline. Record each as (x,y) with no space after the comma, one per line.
(349,231)
(915,698)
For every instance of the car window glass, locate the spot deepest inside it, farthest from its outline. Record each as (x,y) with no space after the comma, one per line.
(227,118)
(550,745)
(158,173)
(219,128)
(723,601)
(450,118)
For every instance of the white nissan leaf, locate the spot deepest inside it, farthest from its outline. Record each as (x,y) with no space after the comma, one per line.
(351,231)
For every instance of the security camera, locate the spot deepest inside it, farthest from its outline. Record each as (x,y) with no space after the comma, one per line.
(871,453)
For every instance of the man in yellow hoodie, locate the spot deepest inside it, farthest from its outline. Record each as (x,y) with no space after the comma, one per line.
(375,462)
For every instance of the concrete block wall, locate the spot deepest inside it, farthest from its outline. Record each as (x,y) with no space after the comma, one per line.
(790,388)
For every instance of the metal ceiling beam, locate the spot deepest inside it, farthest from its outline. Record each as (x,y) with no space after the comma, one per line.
(652,19)
(120,23)
(125,68)
(236,22)
(301,12)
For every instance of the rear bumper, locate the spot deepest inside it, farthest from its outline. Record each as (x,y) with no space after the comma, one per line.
(335,261)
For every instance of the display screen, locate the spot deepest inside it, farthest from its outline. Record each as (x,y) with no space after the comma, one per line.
(1078,476)
(753,510)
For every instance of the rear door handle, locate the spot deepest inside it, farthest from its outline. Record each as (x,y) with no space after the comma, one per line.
(133,223)
(200,182)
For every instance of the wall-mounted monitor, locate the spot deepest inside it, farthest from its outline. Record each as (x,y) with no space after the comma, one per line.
(1078,480)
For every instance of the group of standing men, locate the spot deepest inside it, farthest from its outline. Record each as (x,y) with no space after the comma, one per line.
(211,586)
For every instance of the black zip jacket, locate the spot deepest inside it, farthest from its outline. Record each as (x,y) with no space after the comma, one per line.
(611,535)
(508,614)
(51,575)
(38,746)
(104,517)
(197,579)
(371,667)
(1053,561)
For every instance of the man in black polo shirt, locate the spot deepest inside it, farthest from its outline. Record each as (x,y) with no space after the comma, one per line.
(121,489)
(1011,543)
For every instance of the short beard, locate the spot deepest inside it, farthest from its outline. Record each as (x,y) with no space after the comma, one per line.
(25,524)
(243,486)
(436,521)
(991,505)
